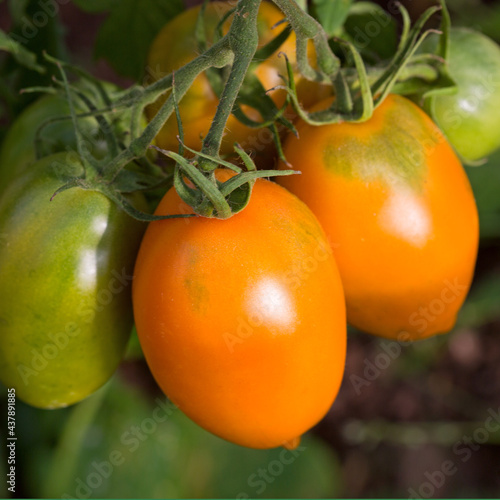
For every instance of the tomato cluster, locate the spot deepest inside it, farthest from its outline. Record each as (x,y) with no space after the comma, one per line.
(243,322)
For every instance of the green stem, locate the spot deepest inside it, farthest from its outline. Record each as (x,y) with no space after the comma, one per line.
(444,40)
(104,126)
(243,41)
(413,434)
(306,27)
(219,55)
(63,468)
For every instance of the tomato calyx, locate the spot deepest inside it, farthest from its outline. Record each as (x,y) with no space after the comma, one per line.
(428,73)
(360,89)
(197,185)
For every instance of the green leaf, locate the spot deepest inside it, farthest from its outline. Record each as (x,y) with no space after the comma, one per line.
(372,30)
(485,182)
(126,35)
(36,29)
(141,445)
(36,26)
(331,14)
(481,306)
(23,56)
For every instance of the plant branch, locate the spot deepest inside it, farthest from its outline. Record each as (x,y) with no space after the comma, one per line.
(243,41)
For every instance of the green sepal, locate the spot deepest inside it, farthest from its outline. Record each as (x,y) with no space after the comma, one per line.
(205,199)
(331,14)
(76,182)
(444,84)
(382,87)
(21,54)
(137,214)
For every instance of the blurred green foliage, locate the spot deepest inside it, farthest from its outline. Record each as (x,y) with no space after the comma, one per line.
(485,181)
(120,443)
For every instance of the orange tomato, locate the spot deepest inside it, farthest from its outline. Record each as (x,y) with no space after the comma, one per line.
(176,45)
(399,212)
(242,321)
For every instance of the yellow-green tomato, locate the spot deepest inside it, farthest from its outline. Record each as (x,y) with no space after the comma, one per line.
(470,118)
(65,285)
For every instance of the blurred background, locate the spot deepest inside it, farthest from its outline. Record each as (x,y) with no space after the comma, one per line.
(415,420)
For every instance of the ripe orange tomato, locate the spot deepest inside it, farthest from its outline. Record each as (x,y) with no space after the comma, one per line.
(176,45)
(242,321)
(399,212)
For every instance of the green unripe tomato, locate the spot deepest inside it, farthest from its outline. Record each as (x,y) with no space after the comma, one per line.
(17,150)
(470,118)
(18,147)
(65,285)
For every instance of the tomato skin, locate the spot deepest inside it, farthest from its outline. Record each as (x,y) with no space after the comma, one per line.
(238,331)
(176,45)
(65,296)
(18,148)
(400,215)
(469,118)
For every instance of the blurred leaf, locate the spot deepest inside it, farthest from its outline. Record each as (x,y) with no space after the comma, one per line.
(477,14)
(331,14)
(134,349)
(36,29)
(126,35)
(372,30)
(65,458)
(36,26)
(23,56)
(147,448)
(485,182)
(481,306)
